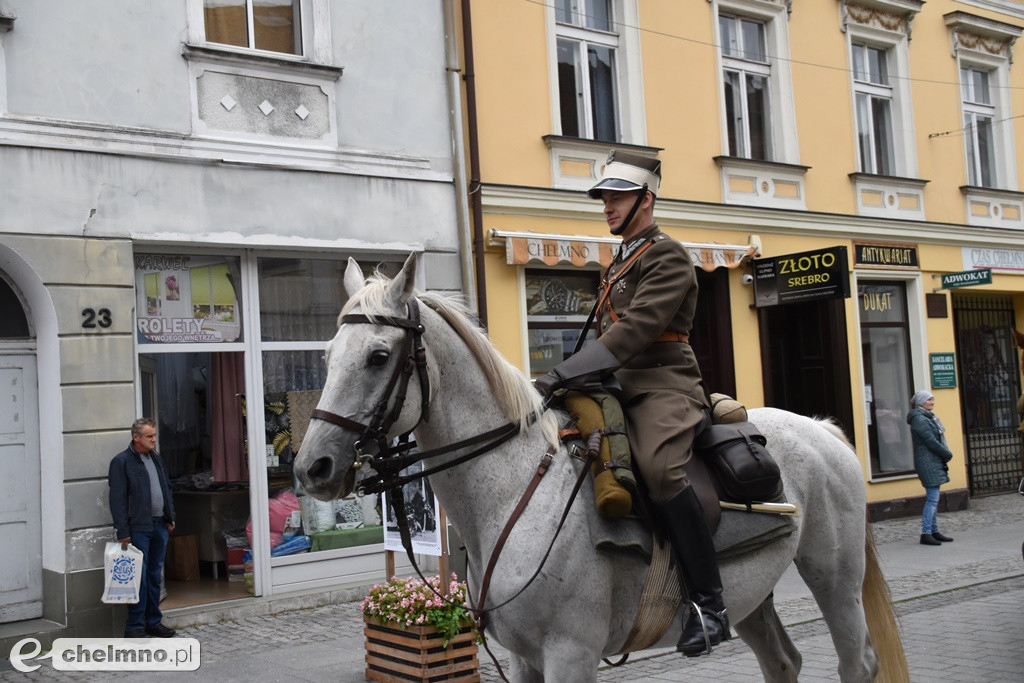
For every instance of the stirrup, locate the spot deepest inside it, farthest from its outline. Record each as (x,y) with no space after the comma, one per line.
(723,621)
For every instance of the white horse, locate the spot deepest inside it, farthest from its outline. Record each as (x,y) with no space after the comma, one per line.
(581,606)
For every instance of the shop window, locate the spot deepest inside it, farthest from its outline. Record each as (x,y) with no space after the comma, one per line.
(888,378)
(557,306)
(300,300)
(187,299)
(271,25)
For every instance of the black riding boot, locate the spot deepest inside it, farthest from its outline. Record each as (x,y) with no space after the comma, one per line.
(695,553)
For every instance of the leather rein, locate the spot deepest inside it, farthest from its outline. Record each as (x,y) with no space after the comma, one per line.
(373,450)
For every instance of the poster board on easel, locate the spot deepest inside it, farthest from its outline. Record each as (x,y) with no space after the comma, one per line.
(428,526)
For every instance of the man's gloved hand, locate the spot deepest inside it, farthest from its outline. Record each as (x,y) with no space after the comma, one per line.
(547,385)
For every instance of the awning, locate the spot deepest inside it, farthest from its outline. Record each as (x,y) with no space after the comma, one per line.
(529,248)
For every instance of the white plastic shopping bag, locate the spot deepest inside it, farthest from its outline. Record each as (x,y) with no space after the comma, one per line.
(122,573)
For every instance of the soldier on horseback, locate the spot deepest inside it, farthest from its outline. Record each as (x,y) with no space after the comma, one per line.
(645,310)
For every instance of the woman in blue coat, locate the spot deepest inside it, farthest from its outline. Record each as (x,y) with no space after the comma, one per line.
(930,457)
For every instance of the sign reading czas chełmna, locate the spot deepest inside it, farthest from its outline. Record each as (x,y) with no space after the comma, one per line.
(968,278)
(806,276)
(943,368)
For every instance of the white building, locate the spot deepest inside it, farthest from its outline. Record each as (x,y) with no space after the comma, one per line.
(181,184)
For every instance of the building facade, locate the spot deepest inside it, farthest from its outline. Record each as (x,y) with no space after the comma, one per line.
(181,184)
(826,164)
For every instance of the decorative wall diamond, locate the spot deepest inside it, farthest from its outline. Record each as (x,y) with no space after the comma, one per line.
(228,102)
(302,112)
(266,108)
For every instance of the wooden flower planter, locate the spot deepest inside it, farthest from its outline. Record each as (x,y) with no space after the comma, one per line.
(415,653)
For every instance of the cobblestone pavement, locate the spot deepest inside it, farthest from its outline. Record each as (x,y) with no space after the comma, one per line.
(961,621)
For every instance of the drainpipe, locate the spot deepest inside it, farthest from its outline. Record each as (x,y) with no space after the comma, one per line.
(474,163)
(459,150)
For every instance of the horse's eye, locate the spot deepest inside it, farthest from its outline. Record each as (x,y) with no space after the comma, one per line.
(379,358)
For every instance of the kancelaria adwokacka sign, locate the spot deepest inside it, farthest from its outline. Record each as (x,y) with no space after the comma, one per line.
(797,278)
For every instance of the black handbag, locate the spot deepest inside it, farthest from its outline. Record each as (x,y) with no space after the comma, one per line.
(736,456)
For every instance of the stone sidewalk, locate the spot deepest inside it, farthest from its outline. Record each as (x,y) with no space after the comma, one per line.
(960,607)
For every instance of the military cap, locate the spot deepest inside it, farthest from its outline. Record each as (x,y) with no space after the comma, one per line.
(624,172)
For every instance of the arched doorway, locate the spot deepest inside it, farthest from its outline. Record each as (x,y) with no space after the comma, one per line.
(20,518)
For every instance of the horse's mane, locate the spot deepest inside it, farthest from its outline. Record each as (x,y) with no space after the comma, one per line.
(514,393)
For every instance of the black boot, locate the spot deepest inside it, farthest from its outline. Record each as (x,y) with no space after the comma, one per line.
(706,624)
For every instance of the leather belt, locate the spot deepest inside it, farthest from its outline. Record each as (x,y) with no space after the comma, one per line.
(673,337)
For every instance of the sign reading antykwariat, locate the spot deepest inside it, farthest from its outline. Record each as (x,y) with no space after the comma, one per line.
(807,276)
(885,255)
(967,278)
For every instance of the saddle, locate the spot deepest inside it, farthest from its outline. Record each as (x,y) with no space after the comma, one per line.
(730,462)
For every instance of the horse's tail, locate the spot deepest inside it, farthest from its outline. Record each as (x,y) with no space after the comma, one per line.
(882,625)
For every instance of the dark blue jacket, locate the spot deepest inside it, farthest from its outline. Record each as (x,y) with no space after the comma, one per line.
(130,503)
(930,450)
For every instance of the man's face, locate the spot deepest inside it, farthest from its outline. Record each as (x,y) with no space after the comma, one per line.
(617,206)
(146,441)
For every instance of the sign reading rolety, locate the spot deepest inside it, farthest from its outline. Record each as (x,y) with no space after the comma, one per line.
(796,278)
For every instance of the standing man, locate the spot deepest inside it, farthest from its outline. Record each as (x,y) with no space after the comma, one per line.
(143,512)
(645,309)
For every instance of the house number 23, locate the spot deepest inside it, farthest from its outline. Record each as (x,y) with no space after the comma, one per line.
(92,317)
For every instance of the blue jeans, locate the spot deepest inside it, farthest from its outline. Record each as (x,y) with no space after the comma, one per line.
(153,544)
(929,524)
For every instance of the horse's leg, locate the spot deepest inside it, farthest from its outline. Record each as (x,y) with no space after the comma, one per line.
(763,631)
(521,672)
(831,562)
(568,661)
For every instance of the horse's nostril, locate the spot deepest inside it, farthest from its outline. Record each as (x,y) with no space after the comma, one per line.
(320,469)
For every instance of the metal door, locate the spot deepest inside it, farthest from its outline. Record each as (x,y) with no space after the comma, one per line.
(21,564)
(989,387)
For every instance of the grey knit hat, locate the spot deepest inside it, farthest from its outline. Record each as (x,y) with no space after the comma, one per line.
(918,399)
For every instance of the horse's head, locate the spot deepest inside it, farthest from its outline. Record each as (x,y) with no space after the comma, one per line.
(365,362)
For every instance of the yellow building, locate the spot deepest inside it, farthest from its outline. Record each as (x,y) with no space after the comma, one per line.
(825,162)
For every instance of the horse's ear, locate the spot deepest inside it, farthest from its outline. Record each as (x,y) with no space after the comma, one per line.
(354,279)
(404,283)
(1019,337)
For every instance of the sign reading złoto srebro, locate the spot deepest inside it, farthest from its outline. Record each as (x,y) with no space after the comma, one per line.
(943,370)
(807,276)
(968,278)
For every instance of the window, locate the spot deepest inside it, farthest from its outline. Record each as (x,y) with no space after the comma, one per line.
(979,113)
(873,94)
(271,25)
(557,306)
(587,48)
(746,78)
(888,381)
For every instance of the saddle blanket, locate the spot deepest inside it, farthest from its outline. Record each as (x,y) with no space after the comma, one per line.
(739,532)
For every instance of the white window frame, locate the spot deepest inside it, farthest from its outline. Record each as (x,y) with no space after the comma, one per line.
(917,325)
(975,110)
(895,43)
(628,81)
(869,91)
(1000,110)
(315,30)
(740,67)
(781,135)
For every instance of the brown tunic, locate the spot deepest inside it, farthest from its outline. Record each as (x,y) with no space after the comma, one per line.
(662,394)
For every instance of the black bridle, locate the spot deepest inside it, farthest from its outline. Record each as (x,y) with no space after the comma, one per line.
(376,432)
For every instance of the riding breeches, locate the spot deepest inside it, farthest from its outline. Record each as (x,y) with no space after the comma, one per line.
(661,426)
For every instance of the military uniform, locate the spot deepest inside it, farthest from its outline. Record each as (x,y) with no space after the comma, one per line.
(645,310)
(649,309)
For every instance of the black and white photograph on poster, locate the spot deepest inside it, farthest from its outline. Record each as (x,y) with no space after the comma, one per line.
(421,512)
